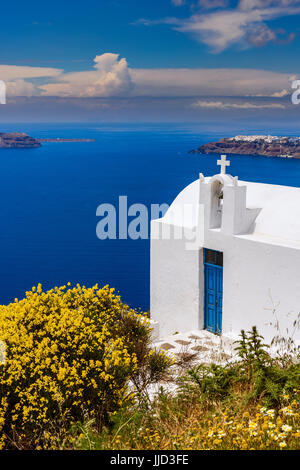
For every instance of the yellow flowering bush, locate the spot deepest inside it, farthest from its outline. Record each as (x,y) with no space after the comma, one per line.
(70,353)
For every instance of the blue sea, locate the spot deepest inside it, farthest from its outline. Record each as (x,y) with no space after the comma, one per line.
(50,195)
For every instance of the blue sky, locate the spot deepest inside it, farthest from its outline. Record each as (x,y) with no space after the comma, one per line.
(169,59)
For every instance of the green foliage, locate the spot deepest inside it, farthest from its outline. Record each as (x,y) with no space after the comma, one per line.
(212,381)
(250,348)
(267,376)
(262,377)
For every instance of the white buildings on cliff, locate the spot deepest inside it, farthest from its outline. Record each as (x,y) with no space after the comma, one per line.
(226,257)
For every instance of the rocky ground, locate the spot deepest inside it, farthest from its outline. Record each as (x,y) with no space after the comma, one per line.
(189,349)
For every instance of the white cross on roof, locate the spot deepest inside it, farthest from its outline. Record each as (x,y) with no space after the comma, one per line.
(223,164)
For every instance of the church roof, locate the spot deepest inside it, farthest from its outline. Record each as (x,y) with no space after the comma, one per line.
(278,222)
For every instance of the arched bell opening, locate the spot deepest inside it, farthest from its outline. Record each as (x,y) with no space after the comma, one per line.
(216,203)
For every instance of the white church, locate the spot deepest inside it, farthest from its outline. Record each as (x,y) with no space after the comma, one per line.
(226,257)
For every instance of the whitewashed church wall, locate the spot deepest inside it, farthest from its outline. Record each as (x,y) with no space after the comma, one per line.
(176,300)
(257,279)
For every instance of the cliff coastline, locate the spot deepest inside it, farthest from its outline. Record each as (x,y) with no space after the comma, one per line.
(269,146)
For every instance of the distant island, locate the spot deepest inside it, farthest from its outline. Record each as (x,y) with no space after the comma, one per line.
(17,140)
(21,140)
(265,145)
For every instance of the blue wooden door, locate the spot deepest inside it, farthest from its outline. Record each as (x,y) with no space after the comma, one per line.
(213,295)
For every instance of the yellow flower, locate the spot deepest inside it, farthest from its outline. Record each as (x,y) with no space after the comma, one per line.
(282,444)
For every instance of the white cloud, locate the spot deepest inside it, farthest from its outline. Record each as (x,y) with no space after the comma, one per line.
(251,4)
(178,3)
(245,25)
(16,78)
(222,105)
(210,4)
(12,72)
(207,82)
(111,78)
(20,87)
(276,94)
(260,35)
(280,94)
(206,4)
(222,29)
